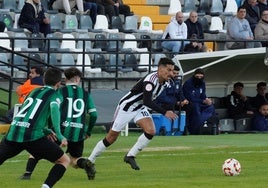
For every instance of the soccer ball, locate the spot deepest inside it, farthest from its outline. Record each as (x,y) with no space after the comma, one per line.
(231,167)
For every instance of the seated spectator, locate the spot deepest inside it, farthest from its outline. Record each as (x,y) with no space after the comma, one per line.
(238,104)
(33,18)
(194,90)
(176,29)
(69,6)
(261,29)
(121,8)
(192,47)
(194,28)
(109,8)
(100,7)
(239,29)
(253,14)
(172,97)
(261,97)
(92,8)
(260,120)
(262,4)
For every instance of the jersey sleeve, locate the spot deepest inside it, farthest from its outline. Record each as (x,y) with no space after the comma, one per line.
(148,88)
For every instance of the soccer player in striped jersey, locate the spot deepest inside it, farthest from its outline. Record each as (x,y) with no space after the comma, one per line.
(28,129)
(76,103)
(135,105)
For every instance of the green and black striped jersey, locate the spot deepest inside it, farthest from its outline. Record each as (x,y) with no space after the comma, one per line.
(76,103)
(31,120)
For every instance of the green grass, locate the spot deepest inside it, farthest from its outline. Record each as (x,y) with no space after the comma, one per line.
(185,161)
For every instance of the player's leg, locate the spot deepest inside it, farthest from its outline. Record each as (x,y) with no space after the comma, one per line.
(145,121)
(53,153)
(30,166)
(9,149)
(121,120)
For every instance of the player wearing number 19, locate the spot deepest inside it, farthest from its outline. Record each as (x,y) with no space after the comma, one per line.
(75,104)
(27,130)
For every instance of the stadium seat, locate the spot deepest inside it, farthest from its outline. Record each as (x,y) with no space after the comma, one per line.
(114,60)
(52,43)
(88,45)
(20,5)
(100,41)
(70,23)
(204,6)
(69,45)
(4,62)
(157,57)
(67,61)
(146,24)
(18,61)
(216,24)
(101,23)
(216,8)
(55,22)
(145,61)
(131,24)
(85,23)
(9,4)
(20,44)
(86,63)
(189,5)
(4,42)
(145,42)
(231,7)
(35,42)
(117,23)
(51,59)
(116,44)
(7,19)
(131,44)
(99,61)
(34,59)
(174,7)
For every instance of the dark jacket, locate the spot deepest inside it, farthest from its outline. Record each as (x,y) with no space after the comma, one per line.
(260,122)
(194,28)
(258,100)
(253,15)
(31,14)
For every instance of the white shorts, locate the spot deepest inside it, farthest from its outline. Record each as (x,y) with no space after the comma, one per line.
(121,117)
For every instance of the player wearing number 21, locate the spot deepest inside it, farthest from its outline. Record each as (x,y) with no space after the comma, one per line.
(28,129)
(75,104)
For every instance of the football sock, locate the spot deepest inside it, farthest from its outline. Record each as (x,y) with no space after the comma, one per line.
(99,148)
(141,143)
(45,186)
(55,174)
(81,162)
(31,163)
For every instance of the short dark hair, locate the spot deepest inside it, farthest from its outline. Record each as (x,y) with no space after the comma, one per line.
(261,84)
(176,68)
(52,76)
(165,61)
(241,7)
(238,84)
(38,69)
(72,72)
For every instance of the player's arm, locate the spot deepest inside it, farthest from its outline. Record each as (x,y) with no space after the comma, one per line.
(92,115)
(55,117)
(147,98)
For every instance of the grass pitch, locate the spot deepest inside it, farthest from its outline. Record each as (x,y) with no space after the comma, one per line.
(184,161)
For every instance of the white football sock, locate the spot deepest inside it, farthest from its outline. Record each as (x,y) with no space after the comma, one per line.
(141,143)
(45,186)
(99,148)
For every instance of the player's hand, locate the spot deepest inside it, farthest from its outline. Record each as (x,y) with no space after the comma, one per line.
(52,137)
(64,142)
(171,115)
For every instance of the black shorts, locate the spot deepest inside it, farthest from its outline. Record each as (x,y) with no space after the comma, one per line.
(75,149)
(40,149)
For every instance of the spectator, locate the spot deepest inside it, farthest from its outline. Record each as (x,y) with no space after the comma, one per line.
(261,29)
(69,6)
(109,8)
(100,7)
(176,29)
(33,18)
(253,13)
(172,98)
(261,97)
(194,28)
(262,5)
(194,90)
(238,104)
(239,29)
(192,47)
(35,80)
(260,120)
(121,8)
(93,10)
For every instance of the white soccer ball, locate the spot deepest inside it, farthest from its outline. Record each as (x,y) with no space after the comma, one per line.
(231,167)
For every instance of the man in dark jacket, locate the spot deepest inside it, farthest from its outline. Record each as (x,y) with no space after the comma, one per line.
(238,104)
(261,97)
(253,13)
(194,27)
(33,18)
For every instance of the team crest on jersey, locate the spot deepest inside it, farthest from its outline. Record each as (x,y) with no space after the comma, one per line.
(148,87)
